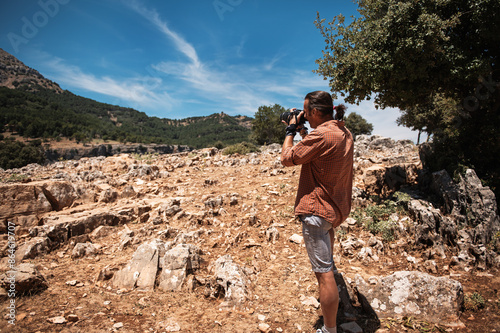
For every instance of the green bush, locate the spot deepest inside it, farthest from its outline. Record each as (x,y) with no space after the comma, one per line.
(473,301)
(240,148)
(15,154)
(376,217)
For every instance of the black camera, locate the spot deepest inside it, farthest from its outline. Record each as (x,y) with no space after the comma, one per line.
(287,116)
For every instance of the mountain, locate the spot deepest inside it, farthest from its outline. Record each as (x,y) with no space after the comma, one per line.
(32,106)
(13,73)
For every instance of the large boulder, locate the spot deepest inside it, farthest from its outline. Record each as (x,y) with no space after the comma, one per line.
(141,271)
(233,281)
(469,203)
(176,264)
(34,199)
(413,294)
(33,248)
(60,229)
(26,278)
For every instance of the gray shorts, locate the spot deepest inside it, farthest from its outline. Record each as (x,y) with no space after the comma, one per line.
(315,230)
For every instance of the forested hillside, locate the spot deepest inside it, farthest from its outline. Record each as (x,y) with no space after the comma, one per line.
(50,115)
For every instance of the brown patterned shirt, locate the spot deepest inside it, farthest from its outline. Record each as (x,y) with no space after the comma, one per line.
(325,184)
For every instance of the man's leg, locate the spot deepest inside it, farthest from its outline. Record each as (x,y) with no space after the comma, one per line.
(328,297)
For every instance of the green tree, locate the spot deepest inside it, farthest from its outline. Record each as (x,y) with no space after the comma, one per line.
(357,124)
(437,61)
(266,126)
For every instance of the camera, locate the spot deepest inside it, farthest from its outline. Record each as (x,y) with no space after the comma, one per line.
(287,116)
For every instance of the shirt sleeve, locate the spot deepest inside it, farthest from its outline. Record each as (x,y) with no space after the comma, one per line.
(305,151)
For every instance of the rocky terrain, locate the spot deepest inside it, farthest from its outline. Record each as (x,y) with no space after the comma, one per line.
(203,242)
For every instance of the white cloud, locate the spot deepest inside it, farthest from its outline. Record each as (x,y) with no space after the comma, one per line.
(239,89)
(153,17)
(383,120)
(137,91)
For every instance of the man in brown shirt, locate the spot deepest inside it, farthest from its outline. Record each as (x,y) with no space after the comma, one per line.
(323,199)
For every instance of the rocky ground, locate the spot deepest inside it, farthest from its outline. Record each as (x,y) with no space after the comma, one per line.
(217,248)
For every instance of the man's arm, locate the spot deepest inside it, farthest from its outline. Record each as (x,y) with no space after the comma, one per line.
(288,143)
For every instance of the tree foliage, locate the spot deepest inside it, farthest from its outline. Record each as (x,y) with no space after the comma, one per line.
(15,154)
(357,124)
(436,60)
(266,126)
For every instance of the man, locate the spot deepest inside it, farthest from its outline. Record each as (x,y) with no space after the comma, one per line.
(323,199)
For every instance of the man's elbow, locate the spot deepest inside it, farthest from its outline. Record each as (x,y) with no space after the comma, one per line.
(286,162)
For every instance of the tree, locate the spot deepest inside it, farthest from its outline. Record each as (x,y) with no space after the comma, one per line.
(267,127)
(437,61)
(358,125)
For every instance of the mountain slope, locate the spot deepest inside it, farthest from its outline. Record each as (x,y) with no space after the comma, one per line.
(35,107)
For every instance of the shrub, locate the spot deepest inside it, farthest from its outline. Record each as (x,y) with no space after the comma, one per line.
(240,148)
(473,301)
(376,217)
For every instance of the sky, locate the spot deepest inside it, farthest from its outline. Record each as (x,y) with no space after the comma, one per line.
(178,59)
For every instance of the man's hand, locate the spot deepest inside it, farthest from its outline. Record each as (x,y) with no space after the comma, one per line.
(296,119)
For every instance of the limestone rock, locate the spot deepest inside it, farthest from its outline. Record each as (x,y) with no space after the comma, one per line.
(416,294)
(83,249)
(33,248)
(27,279)
(63,227)
(141,271)
(232,279)
(177,263)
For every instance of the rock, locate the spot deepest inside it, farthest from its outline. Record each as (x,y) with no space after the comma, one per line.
(297,239)
(232,279)
(27,279)
(415,294)
(73,318)
(57,320)
(169,325)
(176,264)
(272,234)
(428,220)
(61,228)
(431,266)
(107,196)
(141,271)
(380,142)
(128,192)
(374,179)
(310,301)
(469,203)
(21,199)
(263,327)
(118,325)
(61,194)
(102,231)
(143,171)
(83,250)
(33,248)
(35,198)
(351,327)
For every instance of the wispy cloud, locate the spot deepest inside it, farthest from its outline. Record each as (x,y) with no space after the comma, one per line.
(235,89)
(136,90)
(239,88)
(153,17)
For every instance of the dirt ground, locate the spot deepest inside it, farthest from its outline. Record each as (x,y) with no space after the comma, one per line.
(280,272)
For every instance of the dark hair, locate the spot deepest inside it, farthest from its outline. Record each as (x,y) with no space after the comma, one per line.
(323,102)
(340,111)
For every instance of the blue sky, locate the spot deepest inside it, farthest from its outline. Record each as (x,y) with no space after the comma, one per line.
(178,59)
